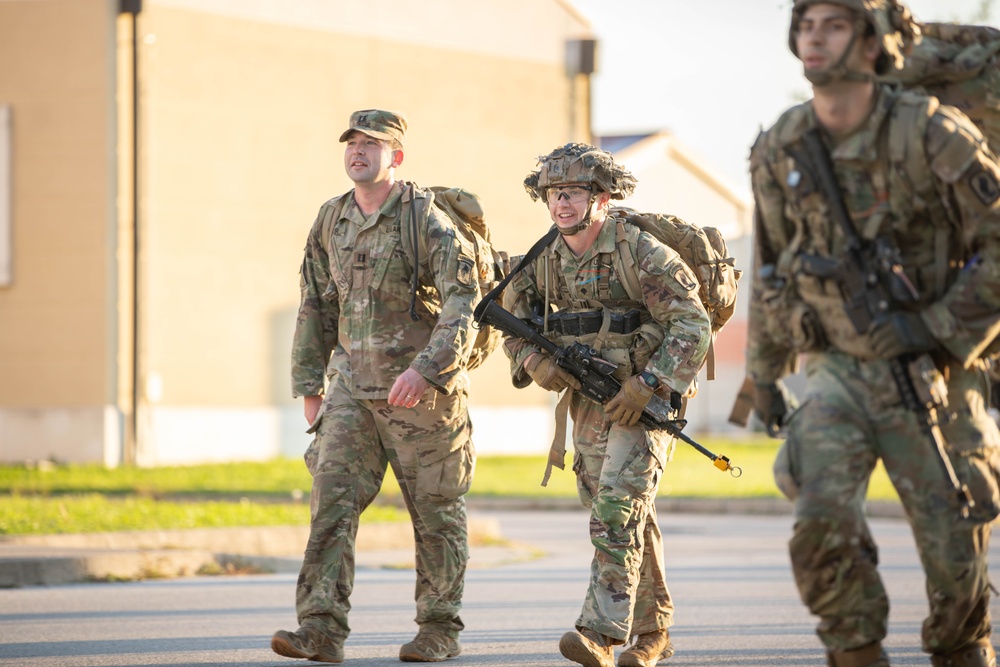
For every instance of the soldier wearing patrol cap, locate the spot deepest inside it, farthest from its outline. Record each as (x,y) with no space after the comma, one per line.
(382,372)
(920,187)
(576,289)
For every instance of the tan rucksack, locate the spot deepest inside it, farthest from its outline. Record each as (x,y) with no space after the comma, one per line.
(466,210)
(959,65)
(702,248)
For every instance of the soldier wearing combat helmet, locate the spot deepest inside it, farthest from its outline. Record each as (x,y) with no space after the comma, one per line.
(583,165)
(888,21)
(658,338)
(921,192)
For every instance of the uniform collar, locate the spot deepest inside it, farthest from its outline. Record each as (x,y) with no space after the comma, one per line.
(862,144)
(604,243)
(389,208)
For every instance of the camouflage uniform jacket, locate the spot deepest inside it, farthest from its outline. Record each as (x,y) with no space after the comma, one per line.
(916,173)
(674,337)
(354,316)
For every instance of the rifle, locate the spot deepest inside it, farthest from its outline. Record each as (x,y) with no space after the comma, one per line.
(594,374)
(872,282)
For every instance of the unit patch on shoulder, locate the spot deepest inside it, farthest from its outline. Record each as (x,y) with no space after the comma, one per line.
(985,185)
(466,270)
(686,279)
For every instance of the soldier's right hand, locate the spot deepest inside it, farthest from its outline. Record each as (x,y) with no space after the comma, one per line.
(546,373)
(311,406)
(771,406)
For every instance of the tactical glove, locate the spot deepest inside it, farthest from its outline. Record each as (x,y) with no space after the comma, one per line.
(627,405)
(900,333)
(547,374)
(771,403)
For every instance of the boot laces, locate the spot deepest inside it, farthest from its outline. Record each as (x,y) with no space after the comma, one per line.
(650,640)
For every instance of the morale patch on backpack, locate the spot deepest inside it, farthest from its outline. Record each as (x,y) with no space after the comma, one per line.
(985,185)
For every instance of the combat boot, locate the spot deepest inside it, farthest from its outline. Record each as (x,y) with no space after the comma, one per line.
(648,649)
(307,644)
(980,654)
(868,656)
(430,646)
(588,648)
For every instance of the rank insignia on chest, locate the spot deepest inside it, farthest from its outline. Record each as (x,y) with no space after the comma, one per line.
(360,258)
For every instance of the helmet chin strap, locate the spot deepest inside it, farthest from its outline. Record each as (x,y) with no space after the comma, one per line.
(587,221)
(839,71)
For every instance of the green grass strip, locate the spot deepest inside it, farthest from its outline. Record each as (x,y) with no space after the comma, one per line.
(94,513)
(89,498)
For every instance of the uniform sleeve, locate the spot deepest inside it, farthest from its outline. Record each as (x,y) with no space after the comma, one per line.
(768,358)
(451,259)
(670,292)
(967,317)
(319,310)
(518,298)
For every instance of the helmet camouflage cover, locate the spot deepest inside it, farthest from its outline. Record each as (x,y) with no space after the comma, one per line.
(580,163)
(894,26)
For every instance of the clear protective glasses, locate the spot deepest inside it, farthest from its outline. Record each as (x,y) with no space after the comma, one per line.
(574,194)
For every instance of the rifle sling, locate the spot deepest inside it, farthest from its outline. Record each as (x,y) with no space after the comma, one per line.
(529,257)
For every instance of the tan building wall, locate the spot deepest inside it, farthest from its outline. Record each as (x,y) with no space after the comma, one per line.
(240,109)
(58,319)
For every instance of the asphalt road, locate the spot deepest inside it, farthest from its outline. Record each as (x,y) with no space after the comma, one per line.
(729,575)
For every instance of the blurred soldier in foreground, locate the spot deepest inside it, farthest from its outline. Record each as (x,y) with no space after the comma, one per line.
(877,254)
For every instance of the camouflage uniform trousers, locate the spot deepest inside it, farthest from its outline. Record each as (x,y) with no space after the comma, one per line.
(618,473)
(431,453)
(851,416)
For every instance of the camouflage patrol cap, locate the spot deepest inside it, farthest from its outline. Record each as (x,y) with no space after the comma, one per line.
(580,163)
(385,125)
(892,21)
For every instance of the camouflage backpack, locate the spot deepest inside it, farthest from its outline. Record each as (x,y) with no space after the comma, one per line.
(702,248)
(959,65)
(466,210)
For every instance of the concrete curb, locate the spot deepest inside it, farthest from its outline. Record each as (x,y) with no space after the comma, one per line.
(45,560)
(48,560)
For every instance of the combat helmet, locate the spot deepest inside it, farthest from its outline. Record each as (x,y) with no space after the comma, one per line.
(894,26)
(580,163)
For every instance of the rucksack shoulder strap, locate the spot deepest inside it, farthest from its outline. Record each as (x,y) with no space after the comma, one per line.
(416,206)
(624,259)
(910,111)
(911,114)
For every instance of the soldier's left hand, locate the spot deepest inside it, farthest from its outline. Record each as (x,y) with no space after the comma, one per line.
(407,389)
(900,333)
(627,405)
